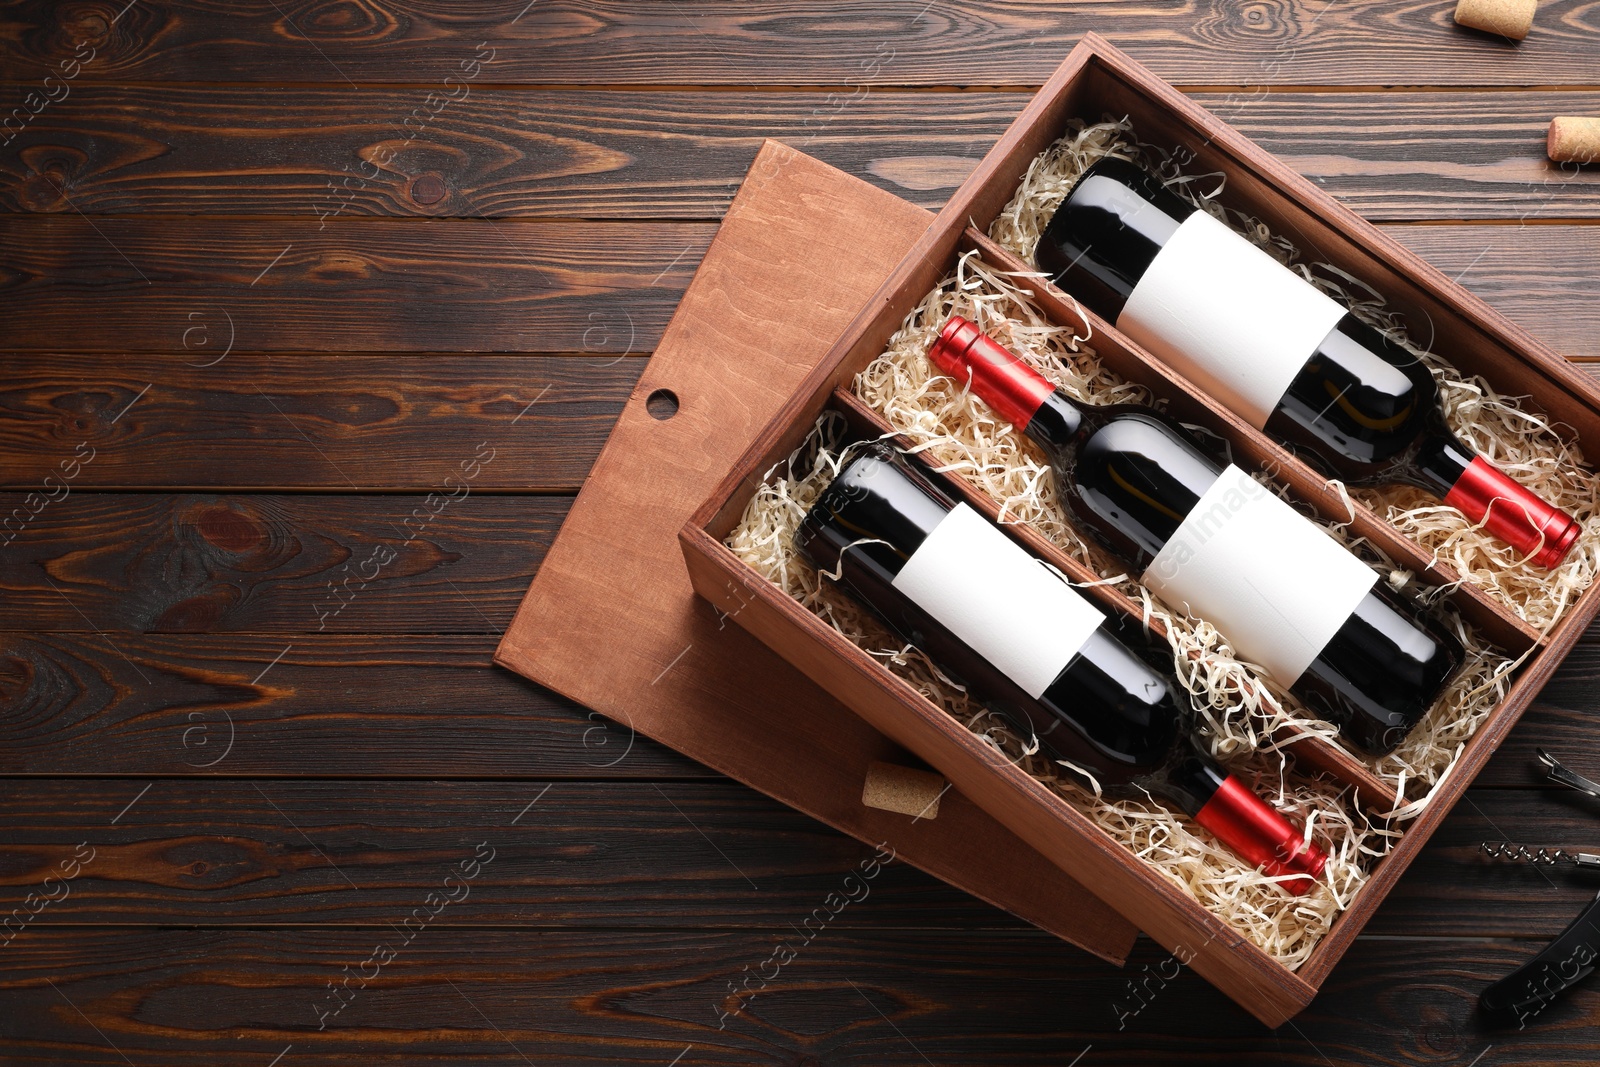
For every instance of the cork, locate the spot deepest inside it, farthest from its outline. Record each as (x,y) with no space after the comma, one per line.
(1508,18)
(903,789)
(1573,139)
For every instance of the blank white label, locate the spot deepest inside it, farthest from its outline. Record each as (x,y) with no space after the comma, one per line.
(1227,316)
(1273,582)
(1005,604)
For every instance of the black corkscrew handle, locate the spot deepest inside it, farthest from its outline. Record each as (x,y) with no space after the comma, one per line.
(1563,963)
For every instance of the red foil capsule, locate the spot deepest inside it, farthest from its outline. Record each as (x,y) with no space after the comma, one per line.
(1261,836)
(1012,388)
(1514,515)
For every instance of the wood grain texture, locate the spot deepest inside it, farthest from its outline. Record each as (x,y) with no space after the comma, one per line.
(398,331)
(1562,719)
(498,153)
(210,563)
(781,719)
(464,285)
(853,995)
(147,285)
(300,706)
(1452,890)
(241,852)
(1535,275)
(230,852)
(76,706)
(783,42)
(107,149)
(448,426)
(1423,156)
(306,421)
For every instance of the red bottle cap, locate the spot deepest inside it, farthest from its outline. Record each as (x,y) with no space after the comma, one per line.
(1514,515)
(1261,836)
(1014,389)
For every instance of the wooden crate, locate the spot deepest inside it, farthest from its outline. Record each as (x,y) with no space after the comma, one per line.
(1097,79)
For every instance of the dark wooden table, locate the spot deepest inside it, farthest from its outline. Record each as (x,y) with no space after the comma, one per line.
(272,272)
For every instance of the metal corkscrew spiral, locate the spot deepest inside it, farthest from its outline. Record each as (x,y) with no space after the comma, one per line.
(1538,857)
(1549,857)
(1497,850)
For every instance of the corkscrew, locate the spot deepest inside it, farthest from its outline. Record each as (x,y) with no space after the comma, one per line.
(1558,774)
(1539,857)
(1571,957)
(1549,857)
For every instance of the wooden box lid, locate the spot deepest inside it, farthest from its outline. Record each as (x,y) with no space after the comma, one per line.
(611,620)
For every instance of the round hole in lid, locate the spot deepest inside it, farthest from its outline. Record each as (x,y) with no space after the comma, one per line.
(662,404)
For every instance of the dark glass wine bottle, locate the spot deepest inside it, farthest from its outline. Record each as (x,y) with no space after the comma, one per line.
(1276,350)
(1225,548)
(1032,649)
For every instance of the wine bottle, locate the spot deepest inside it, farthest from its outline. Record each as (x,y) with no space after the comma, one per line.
(1281,354)
(1218,544)
(1032,649)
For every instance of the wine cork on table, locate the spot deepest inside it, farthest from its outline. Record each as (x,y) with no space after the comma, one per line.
(1573,139)
(903,789)
(1508,18)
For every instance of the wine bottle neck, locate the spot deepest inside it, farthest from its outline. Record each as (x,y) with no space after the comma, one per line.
(1189,779)
(1262,836)
(1487,496)
(1441,459)
(1243,821)
(1056,424)
(877,504)
(1017,393)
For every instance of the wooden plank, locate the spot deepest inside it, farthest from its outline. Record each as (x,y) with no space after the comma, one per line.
(92,712)
(1453,890)
(235,852)
(856,994)
(1562,719)
(1556,722)
(450,425)
(298,706)
(144,284)
(230,852)
(165,563)
(204,563)
(181,286)
(117,149)
(1452,156)
(254,445)
(784,42)
(125,150)
(1542,277)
